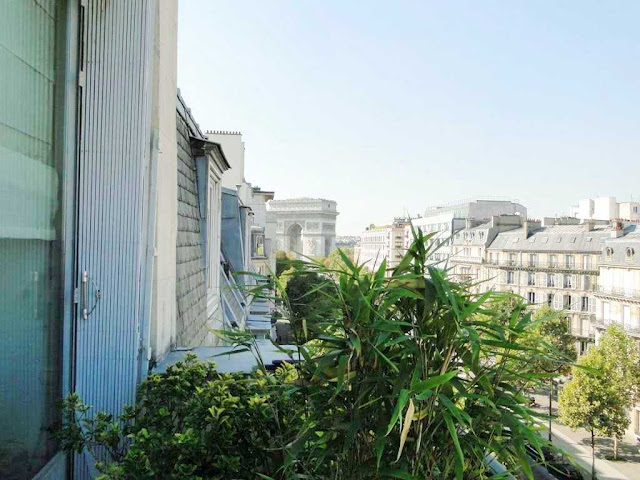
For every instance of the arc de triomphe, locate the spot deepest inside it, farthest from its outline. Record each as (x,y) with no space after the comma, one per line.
(305,225)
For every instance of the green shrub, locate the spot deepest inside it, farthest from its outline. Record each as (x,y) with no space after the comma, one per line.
(191,422)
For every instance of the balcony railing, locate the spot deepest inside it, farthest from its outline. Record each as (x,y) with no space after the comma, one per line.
(633,329)
(539,265)
(619,292)
(233,300)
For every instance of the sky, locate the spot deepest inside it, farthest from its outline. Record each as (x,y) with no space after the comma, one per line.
(388,107)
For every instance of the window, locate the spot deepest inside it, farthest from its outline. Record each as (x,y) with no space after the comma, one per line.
(586,282)
(569,261)
(586,262)
(531,297)
(609,253)
(31,236)
(552,260)
(512,259)
(568,281)
(629,253)
(584,304)
(533,260)
(511,277)
(550,299)
(566,303)
(531,278)
(551,280)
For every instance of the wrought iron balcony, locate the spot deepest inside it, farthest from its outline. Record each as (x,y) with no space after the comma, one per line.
(543,266)
(619,292)
(603,323)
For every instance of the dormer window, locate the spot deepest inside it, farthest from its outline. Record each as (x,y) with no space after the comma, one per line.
(630,252)
(609,253)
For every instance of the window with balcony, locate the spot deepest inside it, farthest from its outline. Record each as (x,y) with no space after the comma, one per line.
(512,259)
(531,278)
(586,282)
(586,262)
(549,299)
(511,277)
(566,302)
(584,304)
(531,297)
(568,281)
(551,280)
(569,261)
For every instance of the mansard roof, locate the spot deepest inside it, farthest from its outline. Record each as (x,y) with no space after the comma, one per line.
(556,238)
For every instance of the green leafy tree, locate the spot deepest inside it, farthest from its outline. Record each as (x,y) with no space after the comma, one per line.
(306,296)
(283,262)
(552,330)
(602,388)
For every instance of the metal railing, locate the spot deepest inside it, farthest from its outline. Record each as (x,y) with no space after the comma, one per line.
(619,292)
(605,322)
(233,298)
(554,266)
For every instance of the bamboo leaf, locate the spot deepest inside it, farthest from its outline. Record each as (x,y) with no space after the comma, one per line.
(408,418)
(403,396)
(454,436)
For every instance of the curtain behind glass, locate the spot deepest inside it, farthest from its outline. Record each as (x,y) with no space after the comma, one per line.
(30,288)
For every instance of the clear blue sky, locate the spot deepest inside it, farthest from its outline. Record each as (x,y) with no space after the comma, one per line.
(387,106)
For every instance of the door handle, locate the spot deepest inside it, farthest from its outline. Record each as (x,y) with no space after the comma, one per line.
(85,295)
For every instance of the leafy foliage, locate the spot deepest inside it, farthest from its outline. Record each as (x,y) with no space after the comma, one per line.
(306,295)
(598,396)
(283,262)
(192,422)
(408,376)
(414,377)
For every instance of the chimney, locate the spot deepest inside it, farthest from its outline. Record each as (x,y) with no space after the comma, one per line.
(617,229)
(530,225)
(588,225)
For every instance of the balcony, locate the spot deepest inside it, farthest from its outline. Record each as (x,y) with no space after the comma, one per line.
(603,323)
(544,266)
(626,293)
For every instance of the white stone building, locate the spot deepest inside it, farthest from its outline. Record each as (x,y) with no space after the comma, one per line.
(443,220)
(305,226)
(618,293)
(381,243)
(605,208)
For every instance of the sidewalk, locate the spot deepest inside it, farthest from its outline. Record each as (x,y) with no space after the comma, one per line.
(577,444)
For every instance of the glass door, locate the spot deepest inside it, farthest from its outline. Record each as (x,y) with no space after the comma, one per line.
(30,237)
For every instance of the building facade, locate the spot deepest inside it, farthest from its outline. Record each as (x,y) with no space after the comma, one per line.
(305,226)
(618,292)
(382,243)
(605,208)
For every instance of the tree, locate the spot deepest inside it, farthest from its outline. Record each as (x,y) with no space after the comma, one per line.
(553,331)
(305,294)
(283,262)
(602,388)
(335,262)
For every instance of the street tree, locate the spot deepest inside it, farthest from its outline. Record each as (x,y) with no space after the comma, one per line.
(602,389)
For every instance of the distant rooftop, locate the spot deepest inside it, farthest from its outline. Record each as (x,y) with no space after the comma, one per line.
(465,201)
